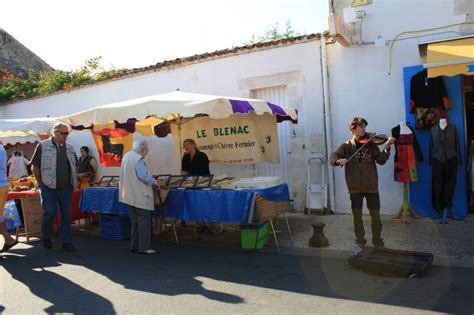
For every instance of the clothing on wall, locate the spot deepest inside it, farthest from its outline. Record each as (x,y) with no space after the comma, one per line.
(444,144)
(428,100)
(444,158)
(407,152)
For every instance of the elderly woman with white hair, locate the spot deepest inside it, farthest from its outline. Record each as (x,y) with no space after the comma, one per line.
(136,191)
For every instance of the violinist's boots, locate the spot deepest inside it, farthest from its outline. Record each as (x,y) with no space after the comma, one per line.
(444,218)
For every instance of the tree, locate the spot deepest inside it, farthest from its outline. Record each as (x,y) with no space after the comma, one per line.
(273,33)
(55,80)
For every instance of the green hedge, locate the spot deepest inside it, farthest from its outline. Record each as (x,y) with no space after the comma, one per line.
(52,81)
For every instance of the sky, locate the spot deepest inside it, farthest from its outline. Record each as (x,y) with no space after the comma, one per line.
(138,33)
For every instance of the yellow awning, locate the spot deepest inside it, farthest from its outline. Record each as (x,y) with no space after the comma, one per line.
(450,57)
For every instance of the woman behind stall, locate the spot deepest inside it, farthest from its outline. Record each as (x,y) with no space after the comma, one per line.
(194,163)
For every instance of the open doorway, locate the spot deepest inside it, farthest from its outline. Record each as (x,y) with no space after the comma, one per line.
(468,93)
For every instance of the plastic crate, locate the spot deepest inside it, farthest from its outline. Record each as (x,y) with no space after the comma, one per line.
(254,236)
(114,227)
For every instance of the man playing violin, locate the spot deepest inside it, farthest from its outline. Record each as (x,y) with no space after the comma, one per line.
(361,178)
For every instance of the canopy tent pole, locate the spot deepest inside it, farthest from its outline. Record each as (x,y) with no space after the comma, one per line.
(178,118)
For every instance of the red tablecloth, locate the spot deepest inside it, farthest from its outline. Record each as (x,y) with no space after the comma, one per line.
(76,212)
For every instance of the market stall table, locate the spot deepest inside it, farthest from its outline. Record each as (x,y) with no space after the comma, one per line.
(24,213)
(102,200)
(76,212)
(220,205)
(18,195)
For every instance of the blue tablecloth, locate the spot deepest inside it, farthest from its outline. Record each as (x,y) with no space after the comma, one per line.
(102,200)
(190,204)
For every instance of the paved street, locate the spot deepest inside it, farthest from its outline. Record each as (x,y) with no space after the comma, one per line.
(103,277)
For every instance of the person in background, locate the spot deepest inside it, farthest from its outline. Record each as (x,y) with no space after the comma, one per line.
(136,190)
(54,166)
(17,165)
(362,179)
(4,185)
(86,166)
(194,162)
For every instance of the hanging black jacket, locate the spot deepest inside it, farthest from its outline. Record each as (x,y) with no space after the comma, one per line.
(428,92)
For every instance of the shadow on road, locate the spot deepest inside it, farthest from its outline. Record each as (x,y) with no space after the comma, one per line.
(176,270)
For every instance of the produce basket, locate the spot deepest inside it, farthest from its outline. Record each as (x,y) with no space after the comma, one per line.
(266,209)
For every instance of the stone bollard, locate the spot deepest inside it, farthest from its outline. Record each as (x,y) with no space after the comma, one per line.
(318,239)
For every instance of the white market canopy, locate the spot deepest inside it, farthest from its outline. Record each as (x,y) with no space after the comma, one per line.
(148,111)
(177,104)
(36,125)
(20,137)
(160,114)
(21,131)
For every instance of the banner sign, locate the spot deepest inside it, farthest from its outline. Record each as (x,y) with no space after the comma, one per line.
(239,139)
(112,145)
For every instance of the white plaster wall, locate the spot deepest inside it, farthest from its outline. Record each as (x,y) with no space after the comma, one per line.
(297,66)
(360,84)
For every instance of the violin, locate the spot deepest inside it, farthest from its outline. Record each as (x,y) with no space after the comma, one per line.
(374,138)
(368,137)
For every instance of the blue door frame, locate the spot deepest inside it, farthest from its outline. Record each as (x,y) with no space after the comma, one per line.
(420,192)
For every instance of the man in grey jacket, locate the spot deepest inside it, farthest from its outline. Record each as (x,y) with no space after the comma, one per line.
(54,166)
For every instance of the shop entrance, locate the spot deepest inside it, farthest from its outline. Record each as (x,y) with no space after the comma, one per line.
(468,93)
(277,95)
(420,192)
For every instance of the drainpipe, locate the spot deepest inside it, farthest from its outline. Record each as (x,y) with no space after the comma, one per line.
(327,121)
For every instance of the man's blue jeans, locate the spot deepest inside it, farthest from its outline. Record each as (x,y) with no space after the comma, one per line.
(51,201)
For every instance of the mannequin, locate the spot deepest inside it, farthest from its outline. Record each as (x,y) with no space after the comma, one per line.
(443,123)
(444,158)
(407,152)
(404,130)
(444,220)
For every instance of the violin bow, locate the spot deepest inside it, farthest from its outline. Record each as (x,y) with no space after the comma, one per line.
(358,150)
